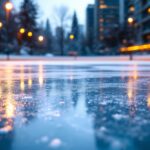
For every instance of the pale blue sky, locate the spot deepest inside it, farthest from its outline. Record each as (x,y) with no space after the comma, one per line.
(47,7)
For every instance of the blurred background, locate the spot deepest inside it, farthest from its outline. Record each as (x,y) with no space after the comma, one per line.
(66,28)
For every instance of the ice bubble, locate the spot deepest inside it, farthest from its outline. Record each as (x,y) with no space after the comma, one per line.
(44,139)
(103,129)
(55,143)
(119,116)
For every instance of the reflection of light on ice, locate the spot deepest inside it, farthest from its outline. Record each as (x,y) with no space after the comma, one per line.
(0,90)
(135,73)
(55,143)
(22,84)
(10,106)
(130,89)
(30,79)
(41,77)
(7,128)
(131,84)
(119,116)
(148,101)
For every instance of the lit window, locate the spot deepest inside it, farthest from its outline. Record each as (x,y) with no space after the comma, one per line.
(132,9)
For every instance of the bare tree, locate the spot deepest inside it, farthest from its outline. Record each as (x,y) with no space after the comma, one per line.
(62,17)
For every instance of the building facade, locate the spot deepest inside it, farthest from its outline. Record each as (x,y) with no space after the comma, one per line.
(90,26)
(142,18)
(139,10)
(106,17)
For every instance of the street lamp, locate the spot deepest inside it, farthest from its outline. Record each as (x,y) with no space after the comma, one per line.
(22,30)
(71,37)
(1,24)
(30,34)
(130,20)
(8,7)
(41,38)
(148,10)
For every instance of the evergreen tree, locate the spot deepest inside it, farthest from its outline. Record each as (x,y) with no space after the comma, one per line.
(28,20)
(75,26)
(48,35)
(28,15)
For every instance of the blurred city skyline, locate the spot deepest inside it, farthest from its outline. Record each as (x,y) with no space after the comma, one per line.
(47,8)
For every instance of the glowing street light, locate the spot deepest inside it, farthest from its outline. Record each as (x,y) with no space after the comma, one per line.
(1,24)
(30,34)
(130,20)
(41,38)
(8,6)
(71,37)
(148,10)
(22,30)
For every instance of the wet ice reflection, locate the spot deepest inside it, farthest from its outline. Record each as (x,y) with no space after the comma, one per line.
(62,107)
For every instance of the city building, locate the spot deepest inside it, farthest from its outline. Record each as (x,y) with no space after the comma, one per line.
(106,17)
(90,26)
(142,19)
(123,10)
(139,17)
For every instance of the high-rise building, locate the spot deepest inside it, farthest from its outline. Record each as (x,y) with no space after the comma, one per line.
(90,26)
(123,10)
(139,11)
(106,17)
(142,19)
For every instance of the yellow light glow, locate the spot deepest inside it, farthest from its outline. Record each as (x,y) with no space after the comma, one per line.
(148,101)
(22,83)
(130,20)
(148,10)
(0,90)
(71,37)
(10,108)
(136,48)
(30,79)
(132,8)
(41,76)
(8,6)
(130,89)
(22,31)
(1,24)
(30,34)
(41,38)
(103,6)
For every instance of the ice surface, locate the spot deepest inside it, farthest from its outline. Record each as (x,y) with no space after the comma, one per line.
(91,106)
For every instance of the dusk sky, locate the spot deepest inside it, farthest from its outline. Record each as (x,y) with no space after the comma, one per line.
(47,7)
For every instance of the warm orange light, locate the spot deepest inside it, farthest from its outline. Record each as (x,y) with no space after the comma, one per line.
(30,34)
(103,6)
(22,80)
(132,8)
(1,25)
(8,6)
(136,48)
(41,38)
(148,101)
(22,31)
(130,20)
(71,37)
(148,10)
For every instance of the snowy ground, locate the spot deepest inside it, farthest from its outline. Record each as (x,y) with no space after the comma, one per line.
(65,58)
(80,106)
